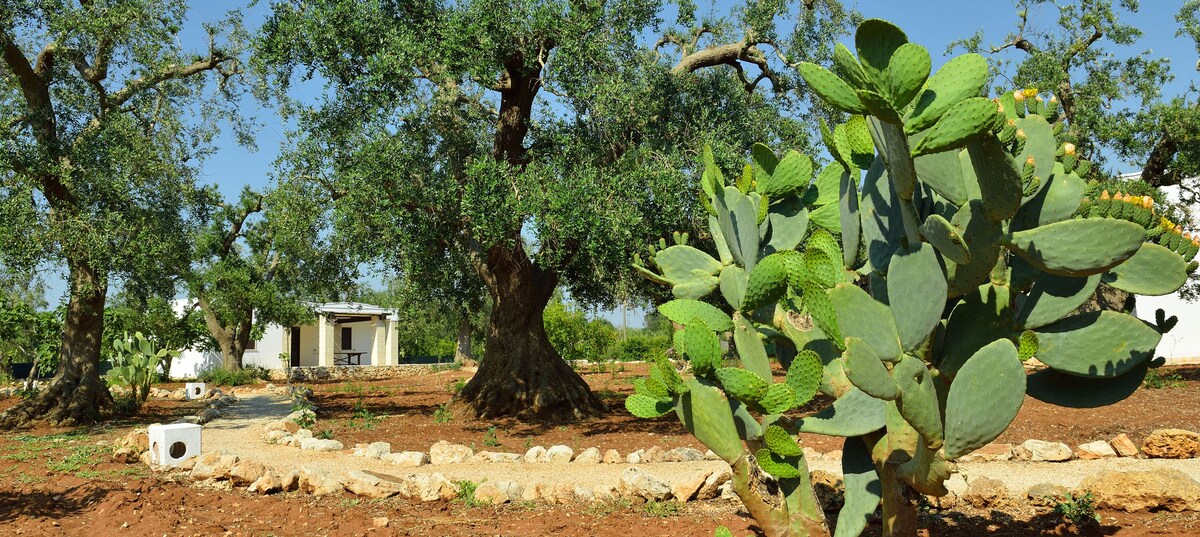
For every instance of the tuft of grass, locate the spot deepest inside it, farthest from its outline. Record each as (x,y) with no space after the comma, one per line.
(466,493)
(661,509)
(1155,380)
(77,458)
(325,434)
(363,417)
(489,437)
(457,386)
(442,414)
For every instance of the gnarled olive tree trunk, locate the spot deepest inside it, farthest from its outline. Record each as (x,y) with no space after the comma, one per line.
(76,395)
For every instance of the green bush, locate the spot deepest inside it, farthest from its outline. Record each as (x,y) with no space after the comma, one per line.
(224,377)
(639,347)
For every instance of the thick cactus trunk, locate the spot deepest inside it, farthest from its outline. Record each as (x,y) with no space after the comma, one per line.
(521,374)
(76,395)
(899,504)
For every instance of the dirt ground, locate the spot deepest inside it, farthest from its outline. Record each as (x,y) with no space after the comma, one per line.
(61,482)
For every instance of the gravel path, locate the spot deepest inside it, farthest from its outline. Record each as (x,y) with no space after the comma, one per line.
(239,432)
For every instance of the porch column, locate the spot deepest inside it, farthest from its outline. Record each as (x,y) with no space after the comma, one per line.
(393,343)
(379,341)
(325,345)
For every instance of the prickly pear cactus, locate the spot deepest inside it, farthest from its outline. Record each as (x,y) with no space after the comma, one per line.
(965,242)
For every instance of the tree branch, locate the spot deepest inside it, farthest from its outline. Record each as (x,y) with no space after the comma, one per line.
(214,62)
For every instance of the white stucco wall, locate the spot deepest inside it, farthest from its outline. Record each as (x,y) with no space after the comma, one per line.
(1181,345)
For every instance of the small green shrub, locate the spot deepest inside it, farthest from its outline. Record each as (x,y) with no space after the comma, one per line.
(1155,380)
(1081,510)
(363,417)
(306,420)
(325,434)
(442,414)
(466,493)
(125,405)
(638,347)
(457,386)
(661,509)
(489,438)
(225,377)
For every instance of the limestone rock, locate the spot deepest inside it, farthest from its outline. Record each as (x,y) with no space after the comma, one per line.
(835,455)
(809,454)
(275,437)
(989,452)
(136,439)
(214,465)
(380,522)
(407,459)
(654,454)
(829,488)
(683,454)
(319,482)
(584,494)
(531,491)
(588,456)
(125,455)
(637,457)
(1046,494)
(497,492)
(712,483)
(496,456)
(559,454)
(1040,450)
(638,482)
(268,483)
(710,455)
(371,486)
(374,450)
(612,456)
(560,494)
(1172,444)
(444,452)
(686,488)
(302,434)
(985,493)
(317,444)
(428,487)
(1124,446)
(1095,450)
(290,481)
(535,454)
(1164,488)
(246,472)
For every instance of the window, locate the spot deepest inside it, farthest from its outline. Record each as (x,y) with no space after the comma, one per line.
(347,339)
(252,345)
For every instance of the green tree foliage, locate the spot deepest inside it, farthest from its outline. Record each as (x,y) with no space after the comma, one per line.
(1110,89)
(98,148)
(435,325)
(453,131)
(256,260)
(575,335)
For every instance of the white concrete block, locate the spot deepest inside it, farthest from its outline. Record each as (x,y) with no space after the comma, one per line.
(174,443)
(194,390)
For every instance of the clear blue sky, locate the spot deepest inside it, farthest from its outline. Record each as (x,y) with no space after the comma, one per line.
(932,23)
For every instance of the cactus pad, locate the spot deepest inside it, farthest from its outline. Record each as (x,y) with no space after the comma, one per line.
(866,371)
(776,465)
(1153,270)
(860,316)
(701,347)
(831,88)
(998,178)
(907,70)
(864,490)
(768,281)
(981,317)
(779,398)
(918,402)
(982,236)
(742,385)
(1052,297)
(984,398)
(1079,247)
(853,414)
(1062,389)
(1083,344)
(851,222)
(647,407)
(965,121)
(946,238)
(706,413)
(916,291)
(1055,202)
(684,311)
(750,348)
(780,442)
(791,175)
(804,375)
(958,79)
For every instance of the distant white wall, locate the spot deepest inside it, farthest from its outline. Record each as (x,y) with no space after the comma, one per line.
(266,350)
(1183,343)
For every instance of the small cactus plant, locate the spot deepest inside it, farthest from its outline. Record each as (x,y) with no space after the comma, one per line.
(959,255)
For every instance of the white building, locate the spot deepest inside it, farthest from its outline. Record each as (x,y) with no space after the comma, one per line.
(345,333)
(1181,345)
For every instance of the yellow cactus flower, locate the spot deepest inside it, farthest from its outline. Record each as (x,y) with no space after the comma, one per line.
(1069,149)
(1031,93)
(1029,161)
(1019,96)
(1104,195)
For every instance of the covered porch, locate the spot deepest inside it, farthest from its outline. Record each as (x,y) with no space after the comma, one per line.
(346,333)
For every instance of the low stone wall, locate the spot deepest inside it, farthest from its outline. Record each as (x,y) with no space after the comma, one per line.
(355,372)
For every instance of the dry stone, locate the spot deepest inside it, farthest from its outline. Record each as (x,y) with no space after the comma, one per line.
(638,482)
(495,456)
(125,455)
(1042,451)
(584,493)
(318,444)
(1124,446)
(290,481)
(407,459)
(268,483)
(1095,450)
(535,454)
(712,456)
(559,454)
(683,454)
(374,450)
(988,453)
(612,456)
(444,452)
(319,482)
(276,436)
(428,487)
(214,465)
(532,491)
(985,492)
(302,434)
(244,473)
(1172,444)
(835,455)
(712,483)
(136,439)
(588,456)
(1151,490)
(686,488)
(654,454)
(497,492)
(637,457)
(371,486)
(1046,494)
